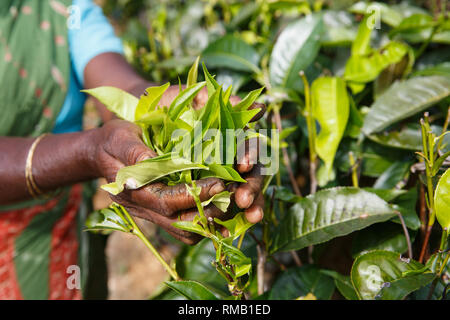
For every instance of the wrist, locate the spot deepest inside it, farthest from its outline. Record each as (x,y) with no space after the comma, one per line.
(91,141)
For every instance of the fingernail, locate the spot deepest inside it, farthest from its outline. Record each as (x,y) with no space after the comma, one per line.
(131,184)
(143,157)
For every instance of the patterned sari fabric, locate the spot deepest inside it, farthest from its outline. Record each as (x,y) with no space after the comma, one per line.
(38,238)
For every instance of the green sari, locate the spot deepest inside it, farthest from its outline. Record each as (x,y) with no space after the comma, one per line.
(41,246)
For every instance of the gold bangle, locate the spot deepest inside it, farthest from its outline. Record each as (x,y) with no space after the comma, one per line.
(33,189)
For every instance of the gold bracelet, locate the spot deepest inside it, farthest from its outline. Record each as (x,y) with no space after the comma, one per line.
(33,189)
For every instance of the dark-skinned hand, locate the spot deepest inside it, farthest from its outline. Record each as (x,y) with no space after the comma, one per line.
(120,144)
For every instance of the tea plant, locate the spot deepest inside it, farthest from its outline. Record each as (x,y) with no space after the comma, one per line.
(346,87)
(179,163)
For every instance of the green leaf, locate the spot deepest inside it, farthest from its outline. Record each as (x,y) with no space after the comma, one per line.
(211,83)
(340,28)
(402,201)
(249,99)
(224,172)
(237,226)
(148,102)
(328,214)
(404,99)
(382,270)
(365,68)
(193,73)
(438,162)
(287,132)
(116,100)
(152,118)
(442,200)
(383,236)
(414,24)
(441,69)
(232,53)
(419,27)
(190,226)
(342,283)
(408,138)
(299,281)
(396,173)
(193,290)
(183,100)
(361,45)
(387,14)
(229,78)
(330,107)
(234,255)
(242,118)
(295,49)
(194,263)
(220,200)
(148,171)
(106,219)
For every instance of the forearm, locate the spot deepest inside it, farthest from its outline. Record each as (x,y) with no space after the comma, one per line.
(58,160)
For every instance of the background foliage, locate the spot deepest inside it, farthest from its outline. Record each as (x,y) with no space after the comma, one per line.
(350,131)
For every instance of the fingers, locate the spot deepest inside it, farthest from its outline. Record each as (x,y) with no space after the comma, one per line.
(247,155)
(247,192)
(255,213)
(170,199)
(211,212)
(125,143)
(133,150)
(166,223)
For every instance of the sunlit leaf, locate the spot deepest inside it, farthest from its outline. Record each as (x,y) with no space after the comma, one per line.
(148,171)
(404,99)
(149,101)
(116,100)
(442,200)
(237,225)
(183,100)
(330,107)
(295,49)
(106,219)
(233,53)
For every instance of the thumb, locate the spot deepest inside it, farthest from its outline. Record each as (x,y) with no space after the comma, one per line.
(134,151)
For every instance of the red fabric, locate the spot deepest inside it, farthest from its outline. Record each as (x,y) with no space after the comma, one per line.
(64,249)
(63,252)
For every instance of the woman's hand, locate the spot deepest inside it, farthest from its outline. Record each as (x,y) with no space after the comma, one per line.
(119,144)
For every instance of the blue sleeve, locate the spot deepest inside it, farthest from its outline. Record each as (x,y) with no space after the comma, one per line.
(94,36)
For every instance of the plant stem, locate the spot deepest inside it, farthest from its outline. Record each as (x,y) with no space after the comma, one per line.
(405,231)
(286,160)
(241,239)
(137,232)
(425,244)
(428,152)
(354,169)
(260,268)
(311,125)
